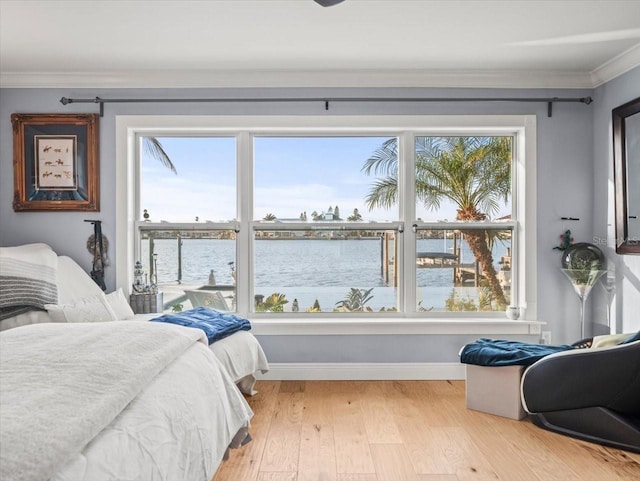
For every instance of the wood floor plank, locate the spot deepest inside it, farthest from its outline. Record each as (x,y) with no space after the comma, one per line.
(282,447)
(464,456)
(447,388)
(539,457)
(633,456)
(292,386)
(621,462)
(264,402)
(316,408)
(317,453)
(244,463)
(501,455)
(357,477)
(336,387)
(392,463)
(353,455)
(438,412)
(277,477)
(408,416)
(288,409)
(381,426)
(437,477)
(428,457)
(590,462)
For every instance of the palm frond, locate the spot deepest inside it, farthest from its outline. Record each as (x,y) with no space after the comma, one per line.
(384,161)
(153,148)
(383,193)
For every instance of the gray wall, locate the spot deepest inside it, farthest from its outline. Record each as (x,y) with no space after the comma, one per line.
(626,303)
(565,184)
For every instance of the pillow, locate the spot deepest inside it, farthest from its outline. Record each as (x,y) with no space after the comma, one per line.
(74,284)
(92,309)
(119,305)
(28,278)
(612,340)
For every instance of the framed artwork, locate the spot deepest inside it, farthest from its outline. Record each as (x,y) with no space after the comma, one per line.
(55,162)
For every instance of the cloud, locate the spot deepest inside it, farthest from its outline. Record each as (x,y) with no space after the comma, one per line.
(181,200)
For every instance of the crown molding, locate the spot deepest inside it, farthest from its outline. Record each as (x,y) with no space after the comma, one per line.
(300,79)
(371,78)
(617,66)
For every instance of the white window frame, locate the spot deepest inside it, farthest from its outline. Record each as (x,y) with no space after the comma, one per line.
(523,127)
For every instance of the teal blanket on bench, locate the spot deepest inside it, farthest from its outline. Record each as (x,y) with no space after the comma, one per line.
(491,352)
(216,325)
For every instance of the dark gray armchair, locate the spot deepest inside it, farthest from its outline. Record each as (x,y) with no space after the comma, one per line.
(590,394)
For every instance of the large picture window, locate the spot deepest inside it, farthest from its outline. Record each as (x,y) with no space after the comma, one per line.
(316,221)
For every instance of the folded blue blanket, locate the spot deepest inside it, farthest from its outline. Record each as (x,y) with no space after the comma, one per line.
(216,325)
(491,352)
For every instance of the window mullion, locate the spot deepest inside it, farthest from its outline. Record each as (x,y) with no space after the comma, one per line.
(244,260)
(137,172)
(407,189)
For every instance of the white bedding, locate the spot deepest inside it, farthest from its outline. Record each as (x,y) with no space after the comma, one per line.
(240,354)
(62,397)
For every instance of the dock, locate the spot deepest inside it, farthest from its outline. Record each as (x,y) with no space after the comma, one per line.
(463,272)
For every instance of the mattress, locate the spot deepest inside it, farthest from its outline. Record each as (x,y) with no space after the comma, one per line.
(240,354)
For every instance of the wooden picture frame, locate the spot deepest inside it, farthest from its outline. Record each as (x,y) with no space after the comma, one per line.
(55,162)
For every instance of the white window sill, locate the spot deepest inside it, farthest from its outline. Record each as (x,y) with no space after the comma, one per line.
(372,326)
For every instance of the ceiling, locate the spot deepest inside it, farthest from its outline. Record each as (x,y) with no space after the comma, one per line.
(284,43)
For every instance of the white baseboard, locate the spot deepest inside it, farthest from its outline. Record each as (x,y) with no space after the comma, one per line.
(434,371)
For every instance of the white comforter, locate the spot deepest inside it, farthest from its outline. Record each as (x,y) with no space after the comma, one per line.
(124,400)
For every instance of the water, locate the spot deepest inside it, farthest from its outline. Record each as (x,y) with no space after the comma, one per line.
(310,269)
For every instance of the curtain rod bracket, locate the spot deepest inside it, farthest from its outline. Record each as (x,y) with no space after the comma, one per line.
(98,100)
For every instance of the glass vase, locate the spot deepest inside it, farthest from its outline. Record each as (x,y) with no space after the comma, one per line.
(582,282)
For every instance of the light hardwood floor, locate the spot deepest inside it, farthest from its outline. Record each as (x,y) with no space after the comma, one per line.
(404,431)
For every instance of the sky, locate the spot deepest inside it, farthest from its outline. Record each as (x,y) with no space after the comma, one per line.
(291,175)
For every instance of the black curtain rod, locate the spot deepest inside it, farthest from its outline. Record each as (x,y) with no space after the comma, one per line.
(549,101)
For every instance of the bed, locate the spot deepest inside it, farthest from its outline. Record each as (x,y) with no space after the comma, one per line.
(85,398)
(240,354)
(115,401)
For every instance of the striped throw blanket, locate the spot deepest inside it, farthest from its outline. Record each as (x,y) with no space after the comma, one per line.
(28,278)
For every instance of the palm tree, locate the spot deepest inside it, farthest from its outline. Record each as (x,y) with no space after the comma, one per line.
(472,172)
(153,148)
(269,216)
(355,216)
(355,300)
